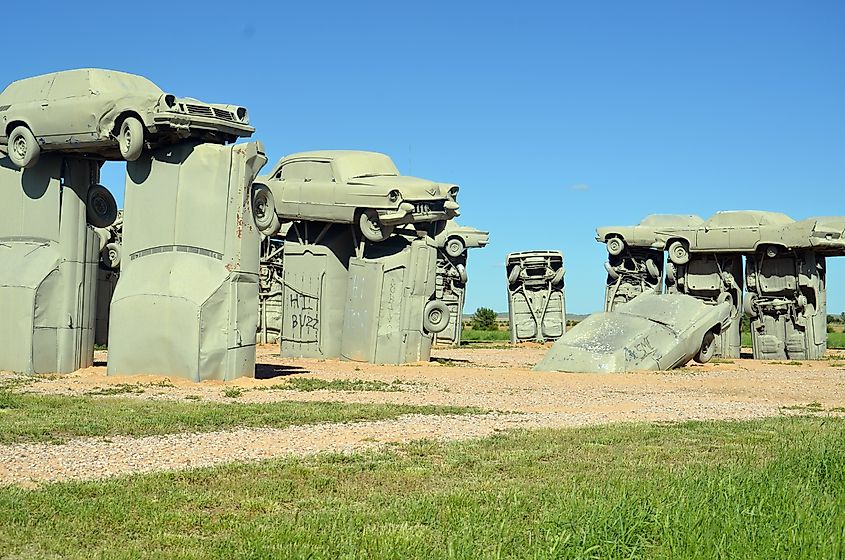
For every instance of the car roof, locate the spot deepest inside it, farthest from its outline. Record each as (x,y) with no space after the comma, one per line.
(349,163)
(29,88)
(748,217)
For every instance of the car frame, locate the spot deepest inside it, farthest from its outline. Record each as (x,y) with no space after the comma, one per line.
(354,187)
(106,114)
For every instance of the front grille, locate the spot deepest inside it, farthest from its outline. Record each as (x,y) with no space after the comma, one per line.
(4,107)
(428,207)
(201,110)
(223,114)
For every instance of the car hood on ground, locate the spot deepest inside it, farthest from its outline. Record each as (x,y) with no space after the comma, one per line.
(412,188)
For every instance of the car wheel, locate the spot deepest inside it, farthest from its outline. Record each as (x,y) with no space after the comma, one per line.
(513,275)
(679,252)
(611,272)
(651,268)
(131,139)
(749,305)
(462,273)
(723,297)
(111,255)
(557,279)
(708,348)
(100,207)
(455,247)
(671,273)
(23,148)
(263,207)
(435,316)
(772,251)
(372,228)
(615,246)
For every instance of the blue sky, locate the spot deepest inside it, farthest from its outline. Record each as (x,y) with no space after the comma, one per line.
(554,118)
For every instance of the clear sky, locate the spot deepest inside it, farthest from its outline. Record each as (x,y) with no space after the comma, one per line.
(554,118)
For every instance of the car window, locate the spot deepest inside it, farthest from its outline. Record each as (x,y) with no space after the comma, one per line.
(27,90)
(74,83)
(306,171)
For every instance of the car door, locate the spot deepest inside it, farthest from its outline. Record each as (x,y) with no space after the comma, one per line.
(711,237)
(73,107)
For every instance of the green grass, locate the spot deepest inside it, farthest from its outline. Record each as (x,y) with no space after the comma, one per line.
(761,489)
(53,418)
(470,335)
(313,384)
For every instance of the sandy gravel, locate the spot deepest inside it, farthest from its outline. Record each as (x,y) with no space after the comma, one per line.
(498,380)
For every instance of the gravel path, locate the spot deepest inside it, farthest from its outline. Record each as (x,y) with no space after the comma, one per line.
(499,380)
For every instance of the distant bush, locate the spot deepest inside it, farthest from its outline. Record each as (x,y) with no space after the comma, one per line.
(484,319)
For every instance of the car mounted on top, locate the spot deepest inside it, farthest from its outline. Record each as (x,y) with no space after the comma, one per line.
(354,187)
(736,231)
(106,114)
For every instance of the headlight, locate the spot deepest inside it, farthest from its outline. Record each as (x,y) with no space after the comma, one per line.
(170,100)
(242,115)
(453,193)
(394,196)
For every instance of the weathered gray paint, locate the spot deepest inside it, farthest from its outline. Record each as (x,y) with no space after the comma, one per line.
(536,301)
(453,245)
(713,278)
(787,304)
(186,301)
(630,274)
(48,266)
(387,294)
(316,273)
(650,332)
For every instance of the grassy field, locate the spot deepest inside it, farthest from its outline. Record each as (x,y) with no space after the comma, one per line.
(58,418)
(470,335)
(761,489)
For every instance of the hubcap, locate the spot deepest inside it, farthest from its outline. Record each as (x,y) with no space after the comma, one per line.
(20,146)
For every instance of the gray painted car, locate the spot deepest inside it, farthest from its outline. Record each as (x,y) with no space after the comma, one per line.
(105,113)
(652,232)
(455,239)
(349,186)
(651,332)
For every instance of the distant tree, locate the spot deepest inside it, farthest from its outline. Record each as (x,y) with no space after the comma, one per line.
(484,319)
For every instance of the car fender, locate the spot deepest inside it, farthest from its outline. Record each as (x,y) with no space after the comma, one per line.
(144,107)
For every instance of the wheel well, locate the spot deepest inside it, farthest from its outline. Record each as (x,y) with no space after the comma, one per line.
(14,124)
(610,236)
(673,239)
(717,330)
(122,117)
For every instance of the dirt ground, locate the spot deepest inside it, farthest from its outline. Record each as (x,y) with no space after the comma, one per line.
(497,380)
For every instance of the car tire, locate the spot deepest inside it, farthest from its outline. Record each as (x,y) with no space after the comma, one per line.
(748,305)
(111,255)
(513,275)
(100,207)
(679,252)
(651,268)
(436,316)
(708,348)
(131,139)
(615,246)
(371,227)
(455,247)
(263,208)
(772,251)
(611,272)
(723,297)
(462,273)
(23,147)
(557,279)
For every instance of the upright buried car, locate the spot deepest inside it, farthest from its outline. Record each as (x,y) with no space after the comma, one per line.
(105,113)
(346,186)
(649,332)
